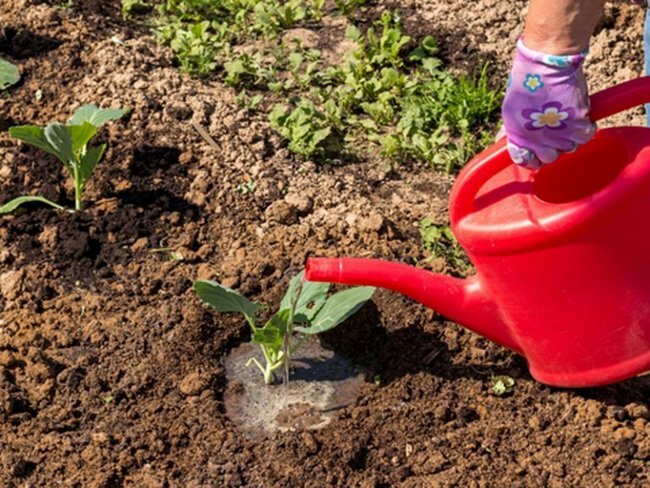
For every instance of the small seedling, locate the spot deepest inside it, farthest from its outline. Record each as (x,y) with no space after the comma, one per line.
(247,188)
(347,7)
(502,385)
(9,74)
(134,7)
(441,243)
(305,310)
(247,102)
(307,129)
(69,143)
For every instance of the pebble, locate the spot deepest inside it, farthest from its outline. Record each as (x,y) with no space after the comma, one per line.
(8,359)
(205,271)
(372,223)
(193,384)
(140,245)
(11,283)
(594,412)
(281,212)
(638,411)
(302,203)
(624,433)
(309,443)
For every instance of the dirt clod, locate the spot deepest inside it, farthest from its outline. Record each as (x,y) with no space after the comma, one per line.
(193,384)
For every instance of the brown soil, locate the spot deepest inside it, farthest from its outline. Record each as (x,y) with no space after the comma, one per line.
(111,370)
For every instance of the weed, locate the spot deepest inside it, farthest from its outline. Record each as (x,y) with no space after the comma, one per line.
(69,143)
(387,94)
(402,101)
(347,7)
(272,16)
(131,8)
(197,47)
(502,385)
(305,127)
(247,188)
(247,102)
(306,309)
(249,71)
(441,243)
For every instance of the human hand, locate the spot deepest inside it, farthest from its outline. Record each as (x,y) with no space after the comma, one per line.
(546,106)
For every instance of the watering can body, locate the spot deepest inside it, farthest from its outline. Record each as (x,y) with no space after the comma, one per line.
(561,254)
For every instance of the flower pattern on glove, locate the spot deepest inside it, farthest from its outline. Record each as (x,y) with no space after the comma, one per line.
(551,116)
(532,83)
(546,106)
(559,61)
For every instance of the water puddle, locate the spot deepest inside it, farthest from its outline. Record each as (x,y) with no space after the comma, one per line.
(322,382)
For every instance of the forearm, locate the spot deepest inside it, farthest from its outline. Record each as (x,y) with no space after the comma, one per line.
(561,26)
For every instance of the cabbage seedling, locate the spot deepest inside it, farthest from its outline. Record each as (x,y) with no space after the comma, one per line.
(69,143)
(305,310)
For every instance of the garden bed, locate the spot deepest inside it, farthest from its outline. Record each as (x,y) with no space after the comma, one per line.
(112,371)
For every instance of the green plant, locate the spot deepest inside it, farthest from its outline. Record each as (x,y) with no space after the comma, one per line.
(305,310)
(388,95)
(441,243)
(134,7)
(306,128)
(347,7)
(502,385)
(272,16)
(247,188)
(439,115)
(248,70)
(247,102)
(197,46)
(9,74)
(69,143)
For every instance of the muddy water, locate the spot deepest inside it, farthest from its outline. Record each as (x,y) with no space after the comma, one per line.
(321,382)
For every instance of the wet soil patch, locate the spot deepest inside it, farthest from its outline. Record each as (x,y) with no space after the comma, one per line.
(321,382)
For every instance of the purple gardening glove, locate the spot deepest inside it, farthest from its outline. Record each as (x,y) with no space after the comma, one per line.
(546,106)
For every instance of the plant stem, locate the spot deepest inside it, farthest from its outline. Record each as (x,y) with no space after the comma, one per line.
(78,187)
(268,374)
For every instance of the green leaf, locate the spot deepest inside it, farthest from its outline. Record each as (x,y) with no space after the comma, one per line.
(59,138)
(32,134)
(225,299)
(352,33)
(273,332)
(81,135)
(90,160)
(97,116)
(338,308)
(290,295)
(502,385)
(311,298)
(17,202)
(9,74)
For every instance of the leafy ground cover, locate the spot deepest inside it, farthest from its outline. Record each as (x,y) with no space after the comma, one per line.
(388,93)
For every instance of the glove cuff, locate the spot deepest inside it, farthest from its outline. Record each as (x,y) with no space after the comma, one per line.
(551,60)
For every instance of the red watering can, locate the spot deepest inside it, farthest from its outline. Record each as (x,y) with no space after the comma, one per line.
(561,254)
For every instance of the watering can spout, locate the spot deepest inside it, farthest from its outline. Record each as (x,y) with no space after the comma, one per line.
(464,301)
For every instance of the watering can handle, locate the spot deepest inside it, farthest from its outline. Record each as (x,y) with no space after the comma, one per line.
(603,104)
